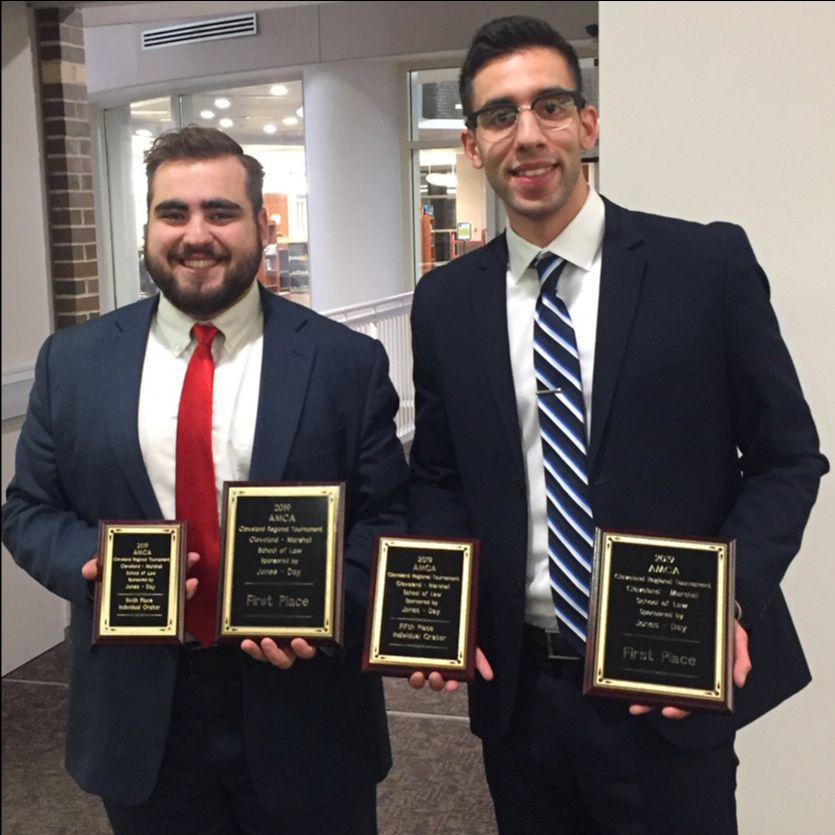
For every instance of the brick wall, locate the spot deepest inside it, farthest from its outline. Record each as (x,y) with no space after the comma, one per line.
(68,165)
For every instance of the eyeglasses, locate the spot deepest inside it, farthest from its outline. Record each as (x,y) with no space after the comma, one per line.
(552,111)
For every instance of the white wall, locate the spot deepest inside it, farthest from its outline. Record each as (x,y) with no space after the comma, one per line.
(33,619)
(26,314)
(725,110)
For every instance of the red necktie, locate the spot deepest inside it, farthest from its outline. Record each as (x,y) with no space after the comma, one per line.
(195,483)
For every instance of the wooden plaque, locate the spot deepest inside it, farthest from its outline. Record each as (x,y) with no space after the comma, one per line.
(281,561)
(661,620)
(141,594)
(422,607)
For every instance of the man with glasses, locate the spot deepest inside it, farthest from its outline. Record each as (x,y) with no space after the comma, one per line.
(589,367)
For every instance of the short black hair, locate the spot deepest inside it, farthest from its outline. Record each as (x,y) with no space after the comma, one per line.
(505,35)
(198,142)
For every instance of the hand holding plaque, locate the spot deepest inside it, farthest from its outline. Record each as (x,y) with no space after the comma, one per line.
(140,591)
(422,604)
(661,620)
(281,562)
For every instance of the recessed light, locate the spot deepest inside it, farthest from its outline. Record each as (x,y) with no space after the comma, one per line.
(207,114)
(300,113)
(226,123)
(223,103)
(270,128)
(279,90)
(289,121)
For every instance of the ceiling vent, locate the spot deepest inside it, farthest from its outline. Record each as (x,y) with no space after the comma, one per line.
(206,30)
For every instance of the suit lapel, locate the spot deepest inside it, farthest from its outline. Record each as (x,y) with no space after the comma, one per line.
(285,371)
(488,297)
(122,376)
(287,363)
(623,266)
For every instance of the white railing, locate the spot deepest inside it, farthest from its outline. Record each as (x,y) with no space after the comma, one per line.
(388,321)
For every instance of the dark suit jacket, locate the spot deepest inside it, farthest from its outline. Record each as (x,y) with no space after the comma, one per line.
(698,428)
(325,414)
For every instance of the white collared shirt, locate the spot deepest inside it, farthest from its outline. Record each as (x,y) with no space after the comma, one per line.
(237,354)
(580,243)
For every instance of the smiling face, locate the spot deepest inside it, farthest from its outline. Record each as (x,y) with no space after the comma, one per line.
(536,172)
(203,244)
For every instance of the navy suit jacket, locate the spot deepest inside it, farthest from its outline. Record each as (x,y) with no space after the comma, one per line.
(699,427)
(326,413)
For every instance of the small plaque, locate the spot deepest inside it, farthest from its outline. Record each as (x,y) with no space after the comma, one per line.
(661,620)
(142,569)
(422,607)
(281,573)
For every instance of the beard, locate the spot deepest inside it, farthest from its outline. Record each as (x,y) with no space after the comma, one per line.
(199,302)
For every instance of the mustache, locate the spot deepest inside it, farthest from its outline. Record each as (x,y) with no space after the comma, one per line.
(183,252)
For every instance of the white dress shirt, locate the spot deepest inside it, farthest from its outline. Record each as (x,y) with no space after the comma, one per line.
(237,354)
(580,244)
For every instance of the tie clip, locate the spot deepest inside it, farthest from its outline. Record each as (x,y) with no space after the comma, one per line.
(547,391)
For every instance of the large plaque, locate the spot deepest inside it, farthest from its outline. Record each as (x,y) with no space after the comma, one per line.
(141,593)
(422,607)
(661,620)
(281,554)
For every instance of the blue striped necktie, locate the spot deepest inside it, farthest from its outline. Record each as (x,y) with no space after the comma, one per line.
(562,424)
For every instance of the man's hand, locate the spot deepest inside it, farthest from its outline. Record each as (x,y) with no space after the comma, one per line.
(742,661)
(191,582)
(90,571)
(668,711)
(742,667)
(281,655)
(437,682)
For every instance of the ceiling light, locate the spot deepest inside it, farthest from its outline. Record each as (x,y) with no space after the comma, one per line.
(289,121)
(270,128)
(143,132)
(223,103)
(207,114)
(279,90)
(226,123)
(300,113)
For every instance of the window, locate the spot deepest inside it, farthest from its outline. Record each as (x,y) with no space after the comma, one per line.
(268,122)
(450,200)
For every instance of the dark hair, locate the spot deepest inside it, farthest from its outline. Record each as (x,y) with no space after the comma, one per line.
(197,142)
(506,35)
